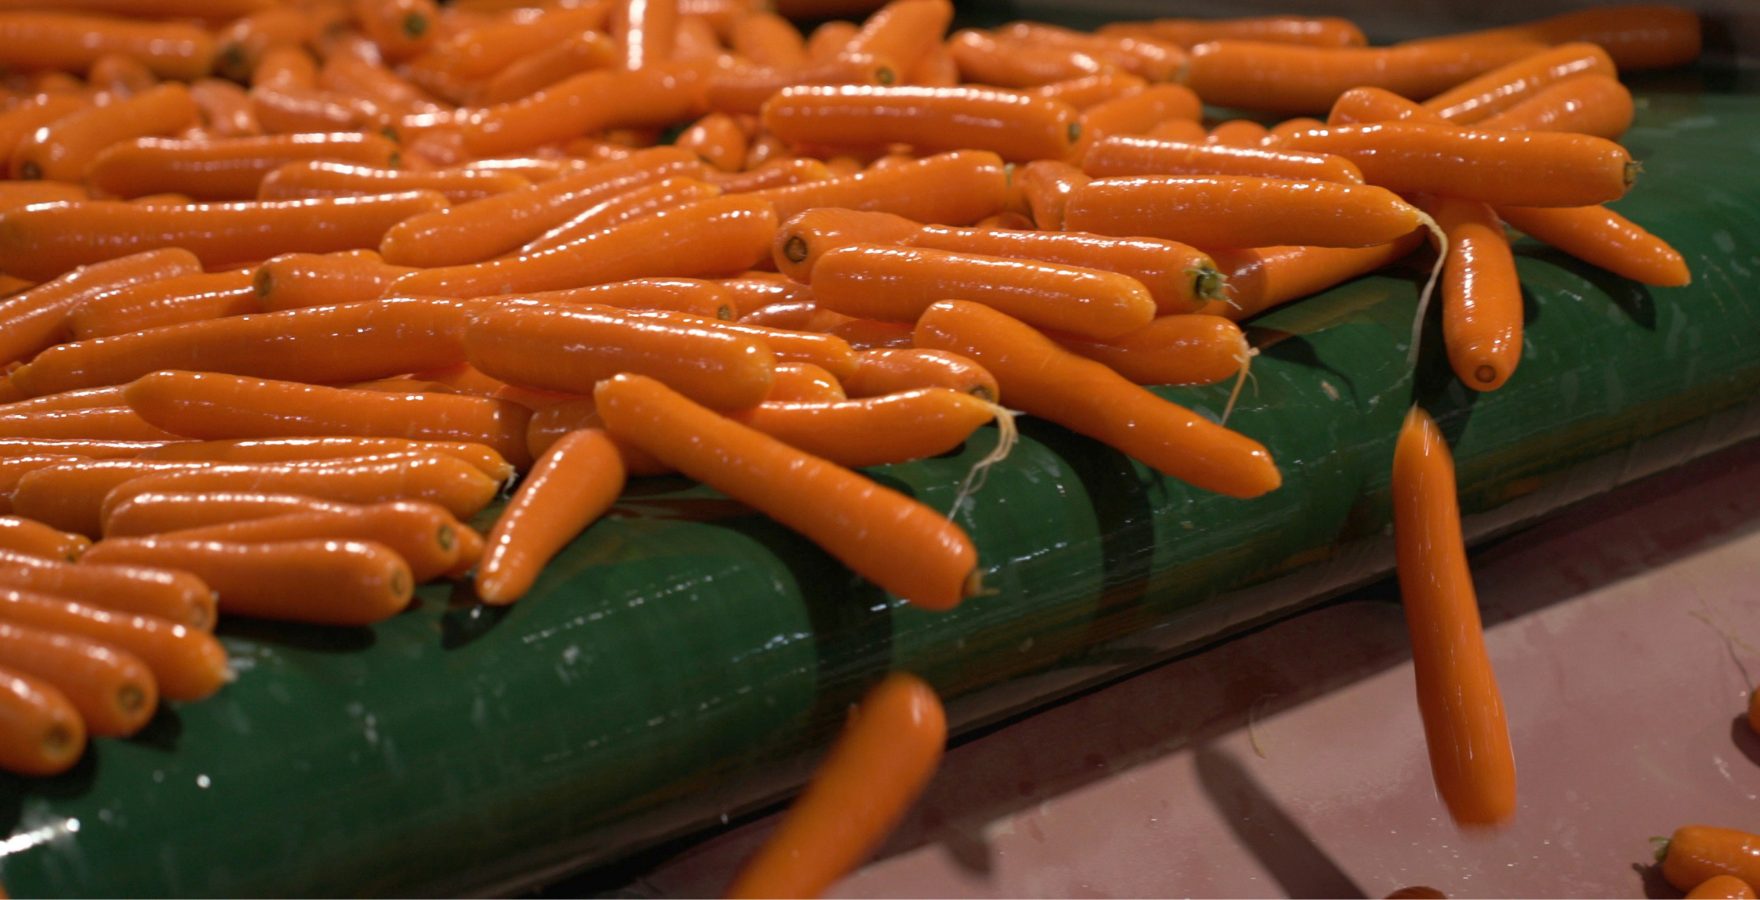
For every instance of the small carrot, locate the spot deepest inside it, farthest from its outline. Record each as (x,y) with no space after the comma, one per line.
(808,494)
(1136,114)
(717,139)
(753,291)
(1505,86)
(583,51)
(1089,90)
(1124,155)
(225,107)
(620,208)
(902,30)
(188,298)
(66,41)
(323,178)
(956,188)
(1497,167)
(873,431)
(1045,187)
(1318,31)
(874,772)
(1302,80)
(112,689)
(1184,349)
(298,280)
(1237,133)
(1226,211)
(482,456)
(768,40)
(1722,887)
(1604,238)
(43,733)
(932,120)
(796,381)
(1636,35)
(892,371)
(159,512)
(470,551)
(652,95)
(215,406)
(774,173)
(22,535)
(1138,54)
(743,91)
(1085,396)
(1481,295)
(1458,698)
(35,319)
(401,28)
(1263,277)
(434,477)
(188,664)
(104,423)
(1588,104)
(169,594)
(64,149)
(987,58)
(1373,104)
(290,68)
(645,30)
(693,296)
(423,534)
(26,118)
(1697,853)
(558,420)
(572,484)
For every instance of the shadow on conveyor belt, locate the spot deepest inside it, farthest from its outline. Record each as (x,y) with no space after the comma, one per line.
(1631,297)
(1277,842)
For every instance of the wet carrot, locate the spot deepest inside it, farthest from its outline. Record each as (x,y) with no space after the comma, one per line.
(1124,155)
(225,108)
(897,283)
(804,238)
(935,69)
(166,593)
(23,120)
(645,30)
(902,31)
(584,51)
(1725,887)
(1587,104)
(1224,211)
(285,67)
(224,168)
(15,467)
(1319,31)
(103,423)
(1505,86)
(478,53)
(718,236)
(873,773)
(932,120)
(573,483)
(240,47)
(112,689)
(1263,277)
(755,290)
(986,58)
(187,298)
(485,458)
(23,535)
(1044,187)
(1497,167)
(774,173)
(1137,54)
(14,194)
(401,28)
(793,381)
(1136,114)
(434,477)
(830,39)
(120,75)
(159,512)
(768,40)
(424,535)
(653,95)
(744,90)
(620,208)
(1237,133)
(1296,79)
(1373,104)
(43,734)
(286,107)
(1457,691)
(773,478)
(486,228)
(1697,853)
(569,349)
(717,139)
(1184,349)
(371,81)
(892,371)
(956,188)
(187,663)
(70,495)
(326,344)
(1636,35)
(299,280)
(63,149)
(1288,127)
(1602,237)
(693,296)
(553,422)
(1087,397)
(72,42)
(213,406)
(13,448)
(1089,90)
(36,319)
(45,241)
(873,431)
(1481,295)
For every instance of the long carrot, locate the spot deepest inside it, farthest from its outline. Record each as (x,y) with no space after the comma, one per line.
(931,120)
(793,381)
(652,95)
(188,664)
(1127,155)
(113,690)
(1044,188)
(1317,31)
(423,534)
(572,484)
(1636,35)
(43,733)
(1602,237)
(297,280)
(1294,79)
(1481,295)
(53,40)
(36,319)
(159,512)
(987,58)
(189,298)
(1505,86)
(1223,211)
(1588,104)
(225,168)
(1263,277)
(169,594)
(482,456)
(64,149)
(873,431)
(22,535)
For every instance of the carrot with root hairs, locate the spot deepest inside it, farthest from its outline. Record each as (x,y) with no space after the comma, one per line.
(571,486)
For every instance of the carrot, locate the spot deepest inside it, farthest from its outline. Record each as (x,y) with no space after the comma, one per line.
(188,664)
(434,477)
(1728,887)
(120,75)
(1636,35)
(23,120)
(160,512)
(486,228)
(620,208)
(477,53)
(812,496)
(932,120)
(874,772)
(1122,155)
(187,298)
(1178,277)
(14,194)
(298,280)
(830,39)
(241,46)
(401,28)
(986,58)
(1587,104)
(1264,277)
(15,467)
(52,40)
(1319,31)
(804,238)
(1481,295)
(773,173)
(1287,127)
(1224,211)
(1045,187)
(1182,131)
(34,320)
(1457,691)
(768,39)
(290,68)
(903,31)
(873,431)
(645,30)
(1697,853)
(371,81)
(424,535)
(40,731)
(570,349)
(482,456)
(104,423)
(718,236)
(584,51)
(327,344)
(168,594)
(796,381)
(70,495)
(1136,114)
(742,91)
(1237,133)
(1373,104)
(1503,87)
(898,283)
(23,535)
(1497,167)
(64,149)
(1184,349)
(225,107)
(287,107)
(573,483)
(13,448)
(1284,78)
(113,691)
(1137,54)
(1602,237)
(223,168)
(753,291)
(556,421)
(893,371)
(591,101)
(46,241)
(956,188)
(1088,90)
(215,406)
(717,139)
(693,296)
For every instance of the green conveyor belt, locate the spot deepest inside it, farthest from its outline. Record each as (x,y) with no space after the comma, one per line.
(687,657)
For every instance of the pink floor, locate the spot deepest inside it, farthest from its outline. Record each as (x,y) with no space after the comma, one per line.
(1290,762)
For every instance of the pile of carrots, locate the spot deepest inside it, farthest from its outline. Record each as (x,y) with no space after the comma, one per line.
(293,289)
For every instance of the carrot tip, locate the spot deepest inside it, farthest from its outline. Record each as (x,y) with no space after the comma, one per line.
(883,75)
(29,171)
(447,537)
(795,249)
(1632,170)
(130,698)
(1661,847)
(58,741)
(415,24)
(1075,131)
(1208,283)
(263,283)
(724,313)
(1485,374)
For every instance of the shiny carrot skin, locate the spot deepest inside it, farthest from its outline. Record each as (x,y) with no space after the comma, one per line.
(1722,887)
(554,422)
(581,52)
(1305,80)
(13,448)
(1497,167)
(45,241)
(1697,853)
(299,280)
(1124,155)
(326,344)
(480,52)
(1137,113)
(1184,349)
(1373,104)
(159,512)
(486,228)
(214,406)
(932,120)
(1237,133)
(1047,381)
(1227,211)
(1044,188)
(571,486)
(793,381)
(892,371)
(830,39)
(744,90)
(1505,86)
(287,107)
(225,107)
(1602,237)
(114,691)
(873,431)
(371,81)
(224,168)
(1458,697)
(103,423)
(653,95)
(482,456)
(718,236)
(768,40)
(987,58)
(717,139)
(1316,31)
(755,290)
(121,75)
(70,495)
(1481,295)
(620,208)
(1636,35)
(434,477)
(1278,132)
(169,594)
(23,120)
(242,45)
(956,188)
(1264,277)
(902,30)
(44,734)
(865,526)
(874,772)
(14,194)
(28,536)
(1588,104)
(897,283)
(424,535)
(1089,90)
(645,31)
(401,28)
(67,41)
(770,174)
(36,319)
(804,238)
(323,582)
(64,149)
(174,301)
(693,296)
(322,178)
(285,67)
(1140,55)
(188,664)
(570,349)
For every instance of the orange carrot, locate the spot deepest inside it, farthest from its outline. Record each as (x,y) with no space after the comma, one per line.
(620,208)
(873,431)
(572,484)
(1697,853)
(169,594)
(298,280)
(53,40)
(241,46)
(1136,114)
(23,535)
(893,371)
(1237,133)
(64,149)
(1320,31)
(23,120)
(14,194)
(653,95)
(1222,211)
(1089,90)
(371,81)
(13,448)
(1295,79)
(424,535)
(226,108)
(35,319)
(554,422)
(1505,86)
(290,68)
(480,52)
(70,495)
(1588,104)
(1045,187)
(1636,35)
(717,139)
(160,512)
(103,423)
(1263,277)
(645,30)
(482,456)
(956,188)
(580,52)
(1602,237)
(112,689)
(768,40)
(1722,887)
(188,664)
(793,381)
(401,28)
(1187,349)
(44,734)
(744,90)
(804,238)
(121,75)
(1481,295)
(304,180)
(13,468)
(773,173)
(987,58)
(187,298)
(931,120)
(1124,155)
(693,296)
(1140,55)
(1373,104)
(902,31)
